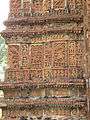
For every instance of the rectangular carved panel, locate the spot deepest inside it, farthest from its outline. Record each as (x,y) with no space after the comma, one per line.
(36,74)
(48,55)
(26,6)
(72,53)
(46,5)
(60,73)
(75,73)
(25,56)
(59,4)
(25,75)
(12,75)
(72,73)
(13,56)
(47,74)
(37,6)
(79,47)
(37,56)
(59,54)
(15,7)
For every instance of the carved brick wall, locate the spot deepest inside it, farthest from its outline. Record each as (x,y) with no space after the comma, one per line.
(43,60)
(56,59)
(45,74)
(24,7)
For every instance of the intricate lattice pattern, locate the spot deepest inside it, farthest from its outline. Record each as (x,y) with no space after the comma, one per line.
(48,60)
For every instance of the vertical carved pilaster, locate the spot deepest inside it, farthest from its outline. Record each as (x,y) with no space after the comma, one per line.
(52,4)
(14,8)
(30,10)
(22,6)
(66,6)
(66,3)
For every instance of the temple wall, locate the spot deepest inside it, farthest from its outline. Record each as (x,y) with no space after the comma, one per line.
(27,7)
(45,74)
(53,58)
(37,113)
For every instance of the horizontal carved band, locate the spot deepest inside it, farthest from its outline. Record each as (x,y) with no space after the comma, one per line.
(62,102)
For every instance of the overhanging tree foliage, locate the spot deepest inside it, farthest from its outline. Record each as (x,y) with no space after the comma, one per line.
(3,51)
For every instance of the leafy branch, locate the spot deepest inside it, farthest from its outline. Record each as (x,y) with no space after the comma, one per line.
(3,51)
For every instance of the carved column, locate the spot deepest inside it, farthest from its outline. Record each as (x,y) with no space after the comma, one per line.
(52,4)
(66,3)
(66,6)
(30,7)
(22,12)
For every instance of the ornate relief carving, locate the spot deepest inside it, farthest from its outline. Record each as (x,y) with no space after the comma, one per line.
(59,54)
(72,4)
(14,56)
(72,73)
(25,75)
(44,7)
(72,60)
(15,8)
(79,5)
(64,54)
(12,75)
(37,6)
(48,74)
(79,72)
(60,73)
(79,48)
(59,4)
(36,74)
(25,56)
(38,38)
(26,6)
(37,57)
(48,55)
